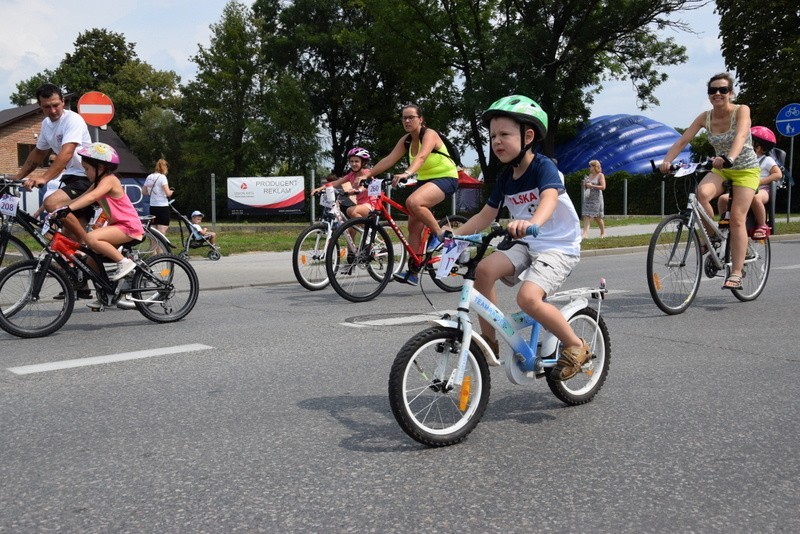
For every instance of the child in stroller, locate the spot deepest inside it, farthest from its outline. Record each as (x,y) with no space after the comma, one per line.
(197,235)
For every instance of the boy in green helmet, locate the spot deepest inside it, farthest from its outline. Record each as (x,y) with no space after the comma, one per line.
(535,195)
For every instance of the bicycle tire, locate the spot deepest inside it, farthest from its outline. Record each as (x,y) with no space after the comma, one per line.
(362,273)
(13,251)
(583,387)
(673,284)
(151,245)
(455,280)
(400,254)
(24,317)
(756,270)
(169,288)
(308,257)
(424,404)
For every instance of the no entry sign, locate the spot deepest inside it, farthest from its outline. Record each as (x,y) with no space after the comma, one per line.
(96,108)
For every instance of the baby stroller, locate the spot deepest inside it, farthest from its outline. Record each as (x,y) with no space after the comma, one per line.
(194,239)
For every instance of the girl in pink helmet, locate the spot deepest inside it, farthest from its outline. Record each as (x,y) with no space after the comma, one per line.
(100,160)
(357,203)
(763,141)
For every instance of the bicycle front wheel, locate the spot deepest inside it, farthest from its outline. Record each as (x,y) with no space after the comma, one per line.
(166,290)
(425,401)
(308,257)
(455,278)
(25,312)
(359,260)
(582,387)
(756,270)
(14,251)
(673,265)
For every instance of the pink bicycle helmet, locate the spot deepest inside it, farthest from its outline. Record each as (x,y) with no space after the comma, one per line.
(358,152)
(100,152)
(763,134)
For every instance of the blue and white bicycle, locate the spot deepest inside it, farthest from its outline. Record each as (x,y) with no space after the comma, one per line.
(439,383)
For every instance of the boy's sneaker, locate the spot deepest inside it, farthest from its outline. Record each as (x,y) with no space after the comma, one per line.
(409,277)
(95,305)
(433,243)
(570,361)
(123,268)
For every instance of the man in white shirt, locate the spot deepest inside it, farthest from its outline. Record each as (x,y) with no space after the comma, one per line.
(62,132)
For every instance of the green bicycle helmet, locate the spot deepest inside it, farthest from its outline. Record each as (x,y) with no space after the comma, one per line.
(520,108)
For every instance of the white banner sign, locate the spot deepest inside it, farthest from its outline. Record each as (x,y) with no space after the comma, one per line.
(283,194)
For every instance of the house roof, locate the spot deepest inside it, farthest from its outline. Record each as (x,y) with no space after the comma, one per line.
(129,163)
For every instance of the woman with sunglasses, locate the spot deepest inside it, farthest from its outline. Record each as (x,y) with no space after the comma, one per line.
(728,128)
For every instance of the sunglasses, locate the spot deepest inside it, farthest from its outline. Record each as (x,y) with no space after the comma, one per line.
(721,90)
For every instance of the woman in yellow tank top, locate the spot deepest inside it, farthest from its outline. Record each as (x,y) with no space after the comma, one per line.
(437,174)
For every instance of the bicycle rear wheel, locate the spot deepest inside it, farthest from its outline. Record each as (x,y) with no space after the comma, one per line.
(673,265)
(24,315)
(150,246)
(756,270)
(582,387)
(426,403)
(455,279)
(359,260)
(308,257)
(14,251)
(166,291)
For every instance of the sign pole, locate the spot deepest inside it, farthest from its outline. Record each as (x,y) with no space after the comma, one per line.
(789,187)
(213,201)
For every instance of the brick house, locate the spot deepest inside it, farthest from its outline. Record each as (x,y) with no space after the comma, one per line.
(19,128)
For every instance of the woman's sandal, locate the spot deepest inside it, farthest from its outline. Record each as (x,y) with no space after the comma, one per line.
(761,232)
(734,281)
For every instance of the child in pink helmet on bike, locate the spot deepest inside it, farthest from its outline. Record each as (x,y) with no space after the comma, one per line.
(763,141)
(357,203)
(100,160)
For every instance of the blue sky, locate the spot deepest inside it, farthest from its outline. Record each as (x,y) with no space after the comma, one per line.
(37,34)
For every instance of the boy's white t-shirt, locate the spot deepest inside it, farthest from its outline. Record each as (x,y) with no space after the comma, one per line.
(562,231)
(766,163)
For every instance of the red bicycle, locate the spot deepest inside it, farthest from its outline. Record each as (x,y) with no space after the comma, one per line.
(360,256)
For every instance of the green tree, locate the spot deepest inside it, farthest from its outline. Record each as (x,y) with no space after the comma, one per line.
(557,52)
(240,118)
(348,67)
(760,41)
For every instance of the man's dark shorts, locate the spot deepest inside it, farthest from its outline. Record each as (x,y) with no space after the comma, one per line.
(74,186)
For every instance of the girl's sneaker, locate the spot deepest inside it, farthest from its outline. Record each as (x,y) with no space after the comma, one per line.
(123,268)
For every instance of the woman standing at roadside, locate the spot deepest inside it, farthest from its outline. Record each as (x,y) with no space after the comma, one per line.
(157,186)
(593,186)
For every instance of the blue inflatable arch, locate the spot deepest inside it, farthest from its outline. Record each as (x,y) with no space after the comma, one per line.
(620,143)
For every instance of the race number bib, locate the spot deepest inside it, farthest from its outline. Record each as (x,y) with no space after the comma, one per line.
(374,189)
(327,200)
(8,205)
(451,250)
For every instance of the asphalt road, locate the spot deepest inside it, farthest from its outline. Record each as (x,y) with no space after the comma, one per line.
(271,415)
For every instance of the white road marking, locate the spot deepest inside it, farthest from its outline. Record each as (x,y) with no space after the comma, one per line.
(786,267)
(394,321)
(111,358)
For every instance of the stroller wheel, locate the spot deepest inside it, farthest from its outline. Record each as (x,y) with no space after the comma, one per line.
(213,255)
(184,255)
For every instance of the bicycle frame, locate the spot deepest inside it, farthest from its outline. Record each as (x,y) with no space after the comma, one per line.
(700,219)
(380,210)
(533,355)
